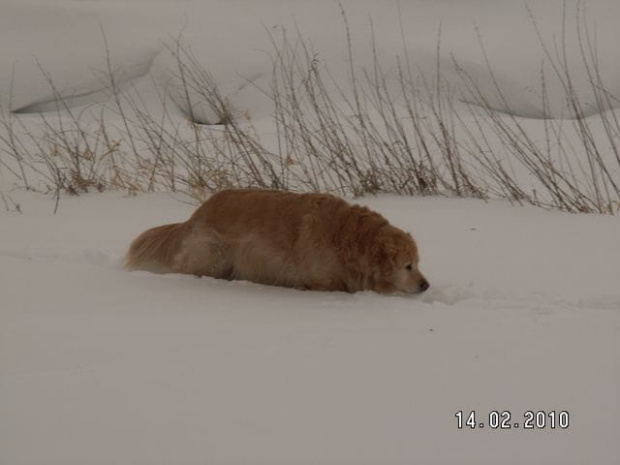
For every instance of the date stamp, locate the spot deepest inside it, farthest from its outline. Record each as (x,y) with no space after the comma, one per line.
(504,420)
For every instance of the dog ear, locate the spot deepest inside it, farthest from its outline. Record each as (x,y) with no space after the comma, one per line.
(384,256)
(391,252)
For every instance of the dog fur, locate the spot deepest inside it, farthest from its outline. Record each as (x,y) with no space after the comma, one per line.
(305,241)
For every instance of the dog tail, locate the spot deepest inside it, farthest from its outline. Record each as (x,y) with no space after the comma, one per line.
(154,249)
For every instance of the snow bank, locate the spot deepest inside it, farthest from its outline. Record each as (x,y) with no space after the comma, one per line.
(65,39)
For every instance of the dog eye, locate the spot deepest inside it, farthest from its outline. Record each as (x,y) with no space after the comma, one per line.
(409,267)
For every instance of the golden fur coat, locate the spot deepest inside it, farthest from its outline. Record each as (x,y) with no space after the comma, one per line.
(306,241)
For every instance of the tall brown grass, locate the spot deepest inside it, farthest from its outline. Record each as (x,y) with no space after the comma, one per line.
(363,136)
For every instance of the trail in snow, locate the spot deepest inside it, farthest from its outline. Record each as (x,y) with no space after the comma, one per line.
(476,252)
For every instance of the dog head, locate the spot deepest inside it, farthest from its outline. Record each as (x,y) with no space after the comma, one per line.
(395,263)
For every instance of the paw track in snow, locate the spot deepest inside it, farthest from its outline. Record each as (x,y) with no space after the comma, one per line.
(84,257)
(486,298)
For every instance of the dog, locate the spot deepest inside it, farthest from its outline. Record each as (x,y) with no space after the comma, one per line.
(306,241)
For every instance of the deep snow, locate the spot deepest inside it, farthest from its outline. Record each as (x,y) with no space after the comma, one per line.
(99,365)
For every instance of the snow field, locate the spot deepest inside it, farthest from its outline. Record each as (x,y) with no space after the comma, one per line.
(99,365)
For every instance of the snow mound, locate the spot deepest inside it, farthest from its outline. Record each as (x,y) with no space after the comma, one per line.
(233,42)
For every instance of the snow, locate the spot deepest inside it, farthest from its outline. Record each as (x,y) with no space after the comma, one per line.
(66,40)
(99,365)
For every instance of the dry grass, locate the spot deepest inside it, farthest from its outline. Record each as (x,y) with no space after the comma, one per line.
(364,136)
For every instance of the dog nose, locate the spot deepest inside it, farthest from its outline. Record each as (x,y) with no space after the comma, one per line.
(424,285)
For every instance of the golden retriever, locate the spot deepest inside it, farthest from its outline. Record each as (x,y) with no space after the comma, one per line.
(305,241)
